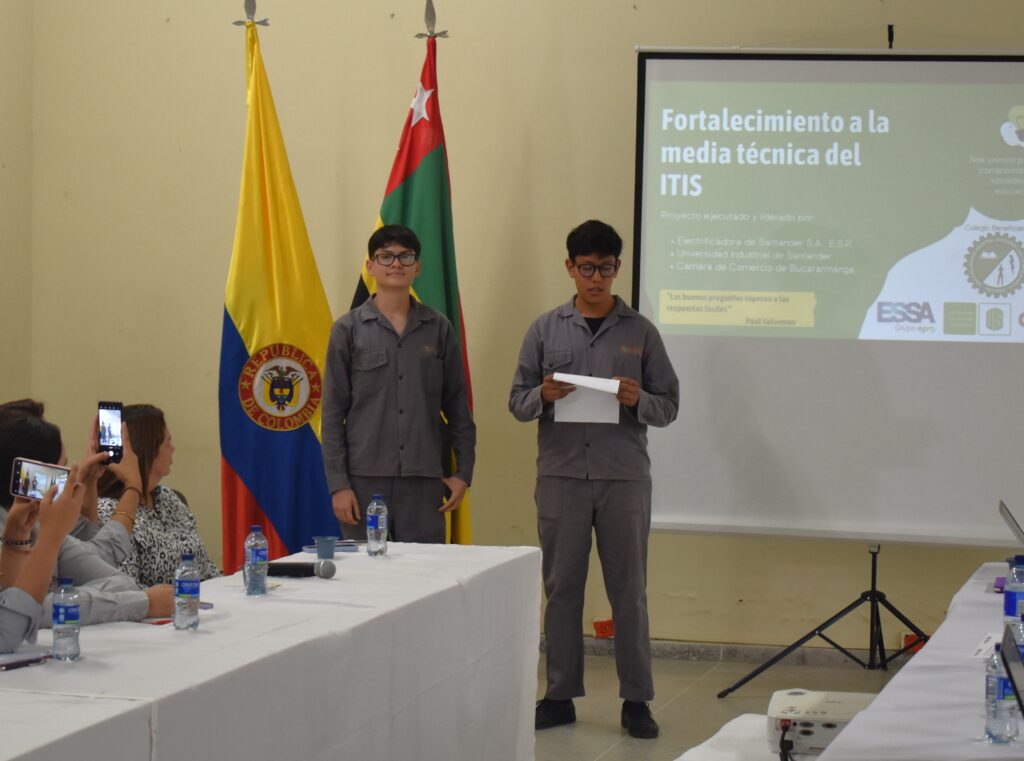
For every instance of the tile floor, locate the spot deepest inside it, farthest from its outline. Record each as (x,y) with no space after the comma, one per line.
(686,705)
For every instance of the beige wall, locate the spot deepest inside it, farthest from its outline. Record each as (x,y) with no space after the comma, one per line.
(16,196)
(138,116)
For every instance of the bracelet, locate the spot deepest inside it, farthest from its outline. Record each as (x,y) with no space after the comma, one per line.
(137,491)
(18,542)
(27,549)
(126,515)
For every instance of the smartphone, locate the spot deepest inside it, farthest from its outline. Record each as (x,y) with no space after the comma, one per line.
(31,479)
(110,429)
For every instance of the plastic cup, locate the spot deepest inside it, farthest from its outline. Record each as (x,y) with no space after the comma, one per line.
(325,546)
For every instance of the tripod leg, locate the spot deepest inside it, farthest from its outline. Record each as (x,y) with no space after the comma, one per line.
(810,635)
(921,636)
(879,642)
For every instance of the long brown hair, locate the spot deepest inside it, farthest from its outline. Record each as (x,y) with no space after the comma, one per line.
(147,430)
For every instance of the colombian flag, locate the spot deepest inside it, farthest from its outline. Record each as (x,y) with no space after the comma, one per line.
(276,325)
(418,196)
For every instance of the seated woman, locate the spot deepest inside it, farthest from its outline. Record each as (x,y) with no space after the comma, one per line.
(106,594)
(164,527)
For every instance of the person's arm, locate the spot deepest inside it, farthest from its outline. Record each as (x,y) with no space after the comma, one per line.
(108,531)
(17,539)
(56,517)
(455,405)
(525,401)
(658,398)
(337,399)
(79,561)
(90,479)
(128,473)
(113,598)
(19,618)
(21,607)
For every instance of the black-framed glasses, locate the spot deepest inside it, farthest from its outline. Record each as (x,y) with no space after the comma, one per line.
(386,259)
(588,270)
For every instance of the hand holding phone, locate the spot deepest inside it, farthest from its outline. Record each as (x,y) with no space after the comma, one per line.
(31,479)
(109,429)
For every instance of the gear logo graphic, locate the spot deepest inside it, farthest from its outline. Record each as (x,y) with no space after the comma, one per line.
(993,265)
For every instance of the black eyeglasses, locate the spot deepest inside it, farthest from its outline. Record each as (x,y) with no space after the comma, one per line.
(386,259)
(588,270)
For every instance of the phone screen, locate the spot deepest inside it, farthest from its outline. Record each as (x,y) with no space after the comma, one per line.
(31,479)
(110,429)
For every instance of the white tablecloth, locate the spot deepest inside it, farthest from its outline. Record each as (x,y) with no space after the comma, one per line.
(934,709)
(745,738)
(429,652)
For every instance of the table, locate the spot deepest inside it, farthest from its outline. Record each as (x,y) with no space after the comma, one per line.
(933,709)
(429,652)
(745,738)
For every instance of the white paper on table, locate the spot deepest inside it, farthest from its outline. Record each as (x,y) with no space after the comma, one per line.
(987,646)
(593,401)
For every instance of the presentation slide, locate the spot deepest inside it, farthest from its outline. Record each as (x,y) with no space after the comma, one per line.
(832,198)
(788,203)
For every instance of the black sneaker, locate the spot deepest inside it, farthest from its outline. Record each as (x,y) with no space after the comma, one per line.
(553,713)
(637,720)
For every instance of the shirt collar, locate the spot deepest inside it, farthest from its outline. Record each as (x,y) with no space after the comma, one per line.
(368,310)
(568,309)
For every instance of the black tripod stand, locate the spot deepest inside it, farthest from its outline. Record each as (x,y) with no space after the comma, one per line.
(877,658)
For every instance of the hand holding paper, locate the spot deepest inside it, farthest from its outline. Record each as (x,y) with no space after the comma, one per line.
(552,390)
(629,391)
(593,401)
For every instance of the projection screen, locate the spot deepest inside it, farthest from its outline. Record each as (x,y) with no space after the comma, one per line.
(831,247)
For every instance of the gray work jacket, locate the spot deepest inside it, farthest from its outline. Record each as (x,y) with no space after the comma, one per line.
(384,395)
(626,345)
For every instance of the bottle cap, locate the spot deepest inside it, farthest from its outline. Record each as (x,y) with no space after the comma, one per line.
(66,581)
(256,528)
(381,497)
(999,646)
(1018,559)
(188,556)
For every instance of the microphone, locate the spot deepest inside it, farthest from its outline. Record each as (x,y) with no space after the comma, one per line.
(325,569)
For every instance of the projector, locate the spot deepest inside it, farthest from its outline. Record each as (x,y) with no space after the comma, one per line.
(814,718)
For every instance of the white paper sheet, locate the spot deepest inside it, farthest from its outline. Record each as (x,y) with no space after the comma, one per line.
(593,401)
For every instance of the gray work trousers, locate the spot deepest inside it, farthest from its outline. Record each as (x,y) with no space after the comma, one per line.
(619,513)
(412,502)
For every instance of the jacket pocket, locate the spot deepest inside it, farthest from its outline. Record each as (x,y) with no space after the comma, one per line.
(369,359)
(368,368)
(556,360)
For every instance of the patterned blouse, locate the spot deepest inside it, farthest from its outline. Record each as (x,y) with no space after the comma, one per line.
(161,534)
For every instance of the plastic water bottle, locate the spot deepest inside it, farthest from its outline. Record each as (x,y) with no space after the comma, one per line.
(186,593)
(254,571)
(1013,592)
(1000,702)
(376,526)
(66,621)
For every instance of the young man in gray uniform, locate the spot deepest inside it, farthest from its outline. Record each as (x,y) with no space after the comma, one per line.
(393,367)
(595,476)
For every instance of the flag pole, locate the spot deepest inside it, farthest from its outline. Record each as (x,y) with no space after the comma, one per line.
(250,15)
(430,19)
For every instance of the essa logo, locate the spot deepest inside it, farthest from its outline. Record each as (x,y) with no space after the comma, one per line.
(905,311)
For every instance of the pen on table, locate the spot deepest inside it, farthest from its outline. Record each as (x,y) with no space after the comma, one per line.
(20,664)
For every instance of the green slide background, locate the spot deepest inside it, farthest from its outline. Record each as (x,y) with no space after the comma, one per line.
(916,184)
